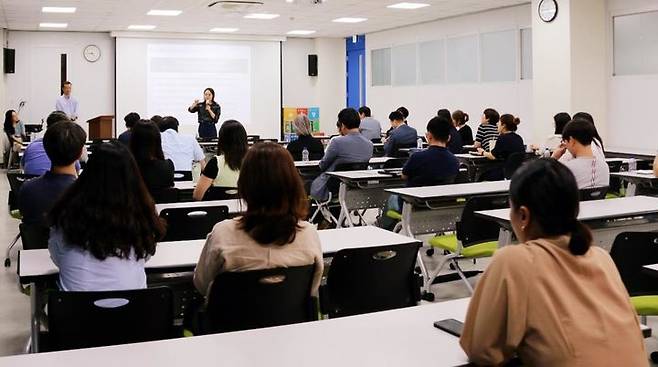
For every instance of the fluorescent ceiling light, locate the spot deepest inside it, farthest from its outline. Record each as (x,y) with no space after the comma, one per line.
(58,9)
(349,20)
(165,13)
(141,27)
(300,32)
(261,16)
(408,6)
(53,25)
(224,30)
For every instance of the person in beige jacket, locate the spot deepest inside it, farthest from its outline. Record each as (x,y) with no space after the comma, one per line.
(271,232)
(553,300)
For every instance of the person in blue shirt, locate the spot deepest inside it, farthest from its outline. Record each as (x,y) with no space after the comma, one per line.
(402,135)
(130,120)
(350,147)
(35,160)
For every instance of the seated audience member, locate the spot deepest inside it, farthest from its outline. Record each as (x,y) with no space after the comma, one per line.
(130,120)
(554,299)
(655,166)
(405,114)
(63,143)
(460,118)
(402,136)
(508,143)
(183,150)
(563,154)
(487,131)
(589,170)
(272,232)
(35,160)
(370,128)
(223,170)
(105,226)
(305,140)
(553,142)
(146,146)
(455,145)
(12,129)
(350,147)
(157,119)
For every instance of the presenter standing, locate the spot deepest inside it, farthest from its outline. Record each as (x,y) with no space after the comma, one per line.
(208,113)
(66,103)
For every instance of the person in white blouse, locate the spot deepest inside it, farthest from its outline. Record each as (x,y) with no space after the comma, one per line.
(589,169)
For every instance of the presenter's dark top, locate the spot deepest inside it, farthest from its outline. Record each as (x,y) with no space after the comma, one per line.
(203,115)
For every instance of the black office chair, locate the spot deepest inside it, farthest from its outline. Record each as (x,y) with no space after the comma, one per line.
(183,176)
(615,182)
(167,195)
(593,193)
(512,163)
(260,298)
(34,236)
(94,319)
(221,193)
(395,163)
(371,279)
(16,180)
(192,223)
(397,153)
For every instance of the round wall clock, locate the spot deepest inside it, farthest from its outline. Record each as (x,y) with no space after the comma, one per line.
(547,10)
(92,53)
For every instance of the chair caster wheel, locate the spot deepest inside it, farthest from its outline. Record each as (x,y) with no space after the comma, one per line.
(452,267)
(654,357)
(430,252)
(7,263)
(428,296)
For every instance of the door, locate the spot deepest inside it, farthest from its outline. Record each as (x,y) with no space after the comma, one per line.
(356,71)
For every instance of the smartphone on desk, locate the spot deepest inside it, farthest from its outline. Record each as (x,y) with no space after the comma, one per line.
(450,326)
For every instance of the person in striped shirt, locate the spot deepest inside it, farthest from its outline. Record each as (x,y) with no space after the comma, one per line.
(487,131)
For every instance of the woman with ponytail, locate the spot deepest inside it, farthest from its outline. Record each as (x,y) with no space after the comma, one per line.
(508,143)
(460,118)
(554,299)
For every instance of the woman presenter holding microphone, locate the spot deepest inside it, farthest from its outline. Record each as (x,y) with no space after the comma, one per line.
(208,113)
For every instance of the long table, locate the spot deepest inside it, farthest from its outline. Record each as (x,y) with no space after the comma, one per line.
(235,206)
(36,268)
(635,179)
(606,218)
(403,337)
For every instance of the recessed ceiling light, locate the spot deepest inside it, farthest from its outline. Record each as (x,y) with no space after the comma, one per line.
(408,6)
(141,27)
(300,32)
(58,9)
(224,30)
(53,25)
(165,13)
(349,20)
(261,16)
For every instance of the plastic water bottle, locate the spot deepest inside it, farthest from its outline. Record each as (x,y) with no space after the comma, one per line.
(305,155)
(419,143)
(632,165)
(547,153)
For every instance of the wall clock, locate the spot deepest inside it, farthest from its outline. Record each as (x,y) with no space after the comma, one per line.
(92,53)
(547,10)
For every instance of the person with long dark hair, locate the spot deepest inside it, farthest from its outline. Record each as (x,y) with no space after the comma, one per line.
(146,147)
(104,227)
(223,170)
(563,154)
(460,118)
(12,131)
(508,143)
(272,231)
(208,113)
(554,299)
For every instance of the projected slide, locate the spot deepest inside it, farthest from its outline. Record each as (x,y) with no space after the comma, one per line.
(178,73)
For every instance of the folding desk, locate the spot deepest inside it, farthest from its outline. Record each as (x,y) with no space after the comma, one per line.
(636,178)
(474,163)
(235,206)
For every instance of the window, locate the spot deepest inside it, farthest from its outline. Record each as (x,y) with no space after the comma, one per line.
(526,53)
(404,65)
(381,67)
(462,59)
(498,55)
(432,62)
(636,44)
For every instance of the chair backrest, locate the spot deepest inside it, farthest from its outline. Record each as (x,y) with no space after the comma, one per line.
(192,223)
(593,193)
(34,236)
(16,180)
(260,298)
(253,138)
(221,193)
(371,279)
(614,166)
(183,176)
(93,319)
(395,163)
(333,183)
(631,251)
(512,163)
(472,229)
(166,195)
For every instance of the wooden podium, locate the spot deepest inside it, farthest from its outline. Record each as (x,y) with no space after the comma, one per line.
(100,127)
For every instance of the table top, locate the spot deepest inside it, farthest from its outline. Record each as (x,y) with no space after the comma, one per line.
(451,191)
(402,337)
(185,254)
(653,267)
(375,160)
(639,174)
(596,209)
(185,185)
(234,206)
(372,174)
(469,156)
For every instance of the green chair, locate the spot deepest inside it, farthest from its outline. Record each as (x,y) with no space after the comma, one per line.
(475,238)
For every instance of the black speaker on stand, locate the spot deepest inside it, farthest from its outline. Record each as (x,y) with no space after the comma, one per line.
(9,56)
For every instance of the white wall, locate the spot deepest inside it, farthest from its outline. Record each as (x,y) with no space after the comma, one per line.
(37,77)
(632,114)
(326,91)
(423,101)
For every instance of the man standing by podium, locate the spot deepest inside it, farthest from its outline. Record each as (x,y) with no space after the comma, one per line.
(66,103)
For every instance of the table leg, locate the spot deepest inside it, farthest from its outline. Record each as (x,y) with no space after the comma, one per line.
(344,210)
(407,210)
(504,237)
(35,296)
(631,189)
